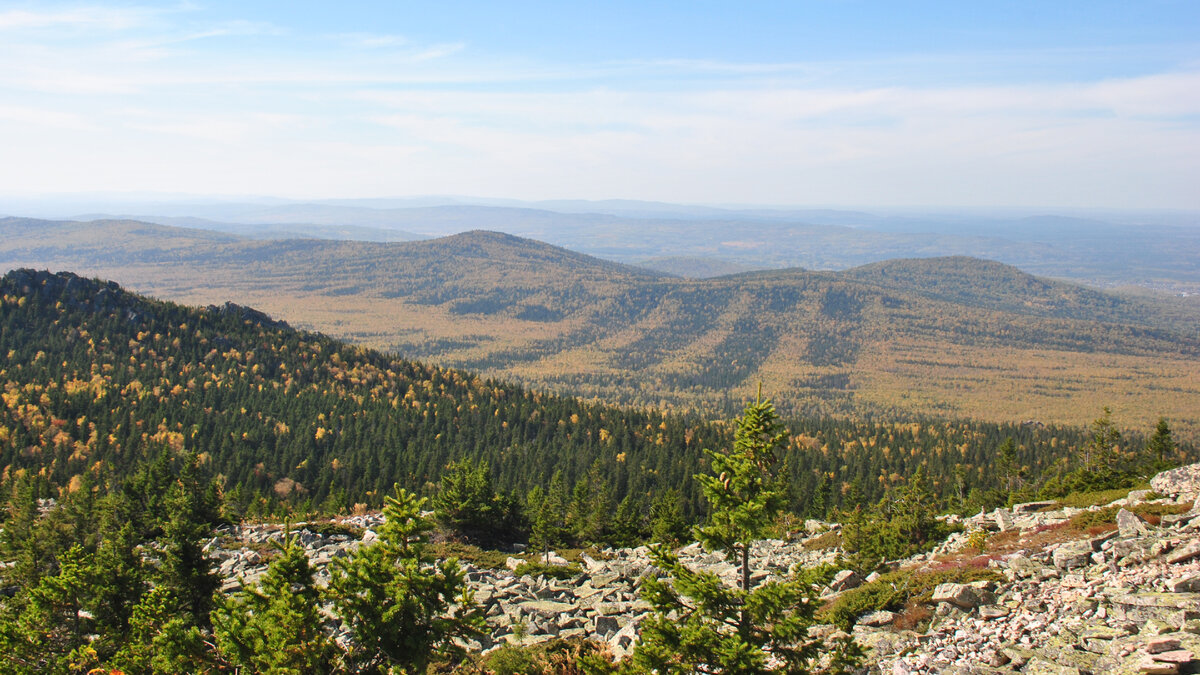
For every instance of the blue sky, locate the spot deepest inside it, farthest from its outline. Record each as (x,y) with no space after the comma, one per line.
(823,102)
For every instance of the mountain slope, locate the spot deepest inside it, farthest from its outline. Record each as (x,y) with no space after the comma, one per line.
(96,379)
(950,336)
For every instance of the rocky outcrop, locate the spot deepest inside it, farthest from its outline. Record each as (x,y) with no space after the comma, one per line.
(1182,481)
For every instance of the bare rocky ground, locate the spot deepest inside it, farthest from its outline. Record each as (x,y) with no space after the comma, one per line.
(1125,601)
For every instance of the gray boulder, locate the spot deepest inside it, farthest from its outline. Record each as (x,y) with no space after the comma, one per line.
(845,580)
(1004,520)
(1073,555)
(1129,525)
(878,618)
(962,596)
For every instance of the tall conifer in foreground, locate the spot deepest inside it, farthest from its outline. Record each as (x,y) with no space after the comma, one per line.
(702,625)
(276,627)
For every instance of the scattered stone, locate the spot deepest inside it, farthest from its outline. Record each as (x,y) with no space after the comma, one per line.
(1162,644)
(1087,606)
(1189,584)
(1189,552)
(1171,608)
(989,612)
(1004,520)
(1137,496)
(1073,555)
(1176,656)
(1149,666)
(845,580)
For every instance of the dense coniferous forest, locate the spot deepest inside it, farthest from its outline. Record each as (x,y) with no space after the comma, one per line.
(96,380)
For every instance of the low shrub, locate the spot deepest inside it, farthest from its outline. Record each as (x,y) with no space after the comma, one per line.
(479,557)
(329,528)
(541,569)
(1151,513)
(977,540)
(555,657)
(1083,500)
(828,540)
(896,590)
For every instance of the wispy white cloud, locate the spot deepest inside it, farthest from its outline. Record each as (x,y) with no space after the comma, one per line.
(274,110)
(87,17)
(42,117)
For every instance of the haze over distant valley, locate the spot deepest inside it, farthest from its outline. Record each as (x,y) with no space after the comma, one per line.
(1149,250)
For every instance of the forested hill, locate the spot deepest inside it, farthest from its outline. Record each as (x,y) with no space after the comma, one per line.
(95,379)
(948,337)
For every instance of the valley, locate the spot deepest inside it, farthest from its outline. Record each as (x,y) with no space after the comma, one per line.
(945,337)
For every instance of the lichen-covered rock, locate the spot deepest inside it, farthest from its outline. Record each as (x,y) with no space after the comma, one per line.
(1184,480)
(1073,555)
(844,581)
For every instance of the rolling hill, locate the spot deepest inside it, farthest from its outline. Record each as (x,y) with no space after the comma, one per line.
(945,336)
(1147,249)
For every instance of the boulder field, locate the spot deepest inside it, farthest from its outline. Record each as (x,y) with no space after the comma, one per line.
(1124,600)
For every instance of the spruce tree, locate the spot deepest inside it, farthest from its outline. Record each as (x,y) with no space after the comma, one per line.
(1160,445)
(276,626)
(404,609)
(702,625)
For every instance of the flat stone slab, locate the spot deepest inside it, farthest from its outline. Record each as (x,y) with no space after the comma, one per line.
(546,607)
(1184,554)
(1177,656)
(1184,584)
(1173,608)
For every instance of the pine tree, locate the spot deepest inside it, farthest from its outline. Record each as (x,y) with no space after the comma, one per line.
(667,525)
(404,609)
(41,629)
(1100,450)
(701,625)
(162,639)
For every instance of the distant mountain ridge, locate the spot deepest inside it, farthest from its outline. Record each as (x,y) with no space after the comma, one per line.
(952,336)
(1146,249)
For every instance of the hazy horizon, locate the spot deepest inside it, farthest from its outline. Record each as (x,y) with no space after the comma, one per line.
(857,104)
